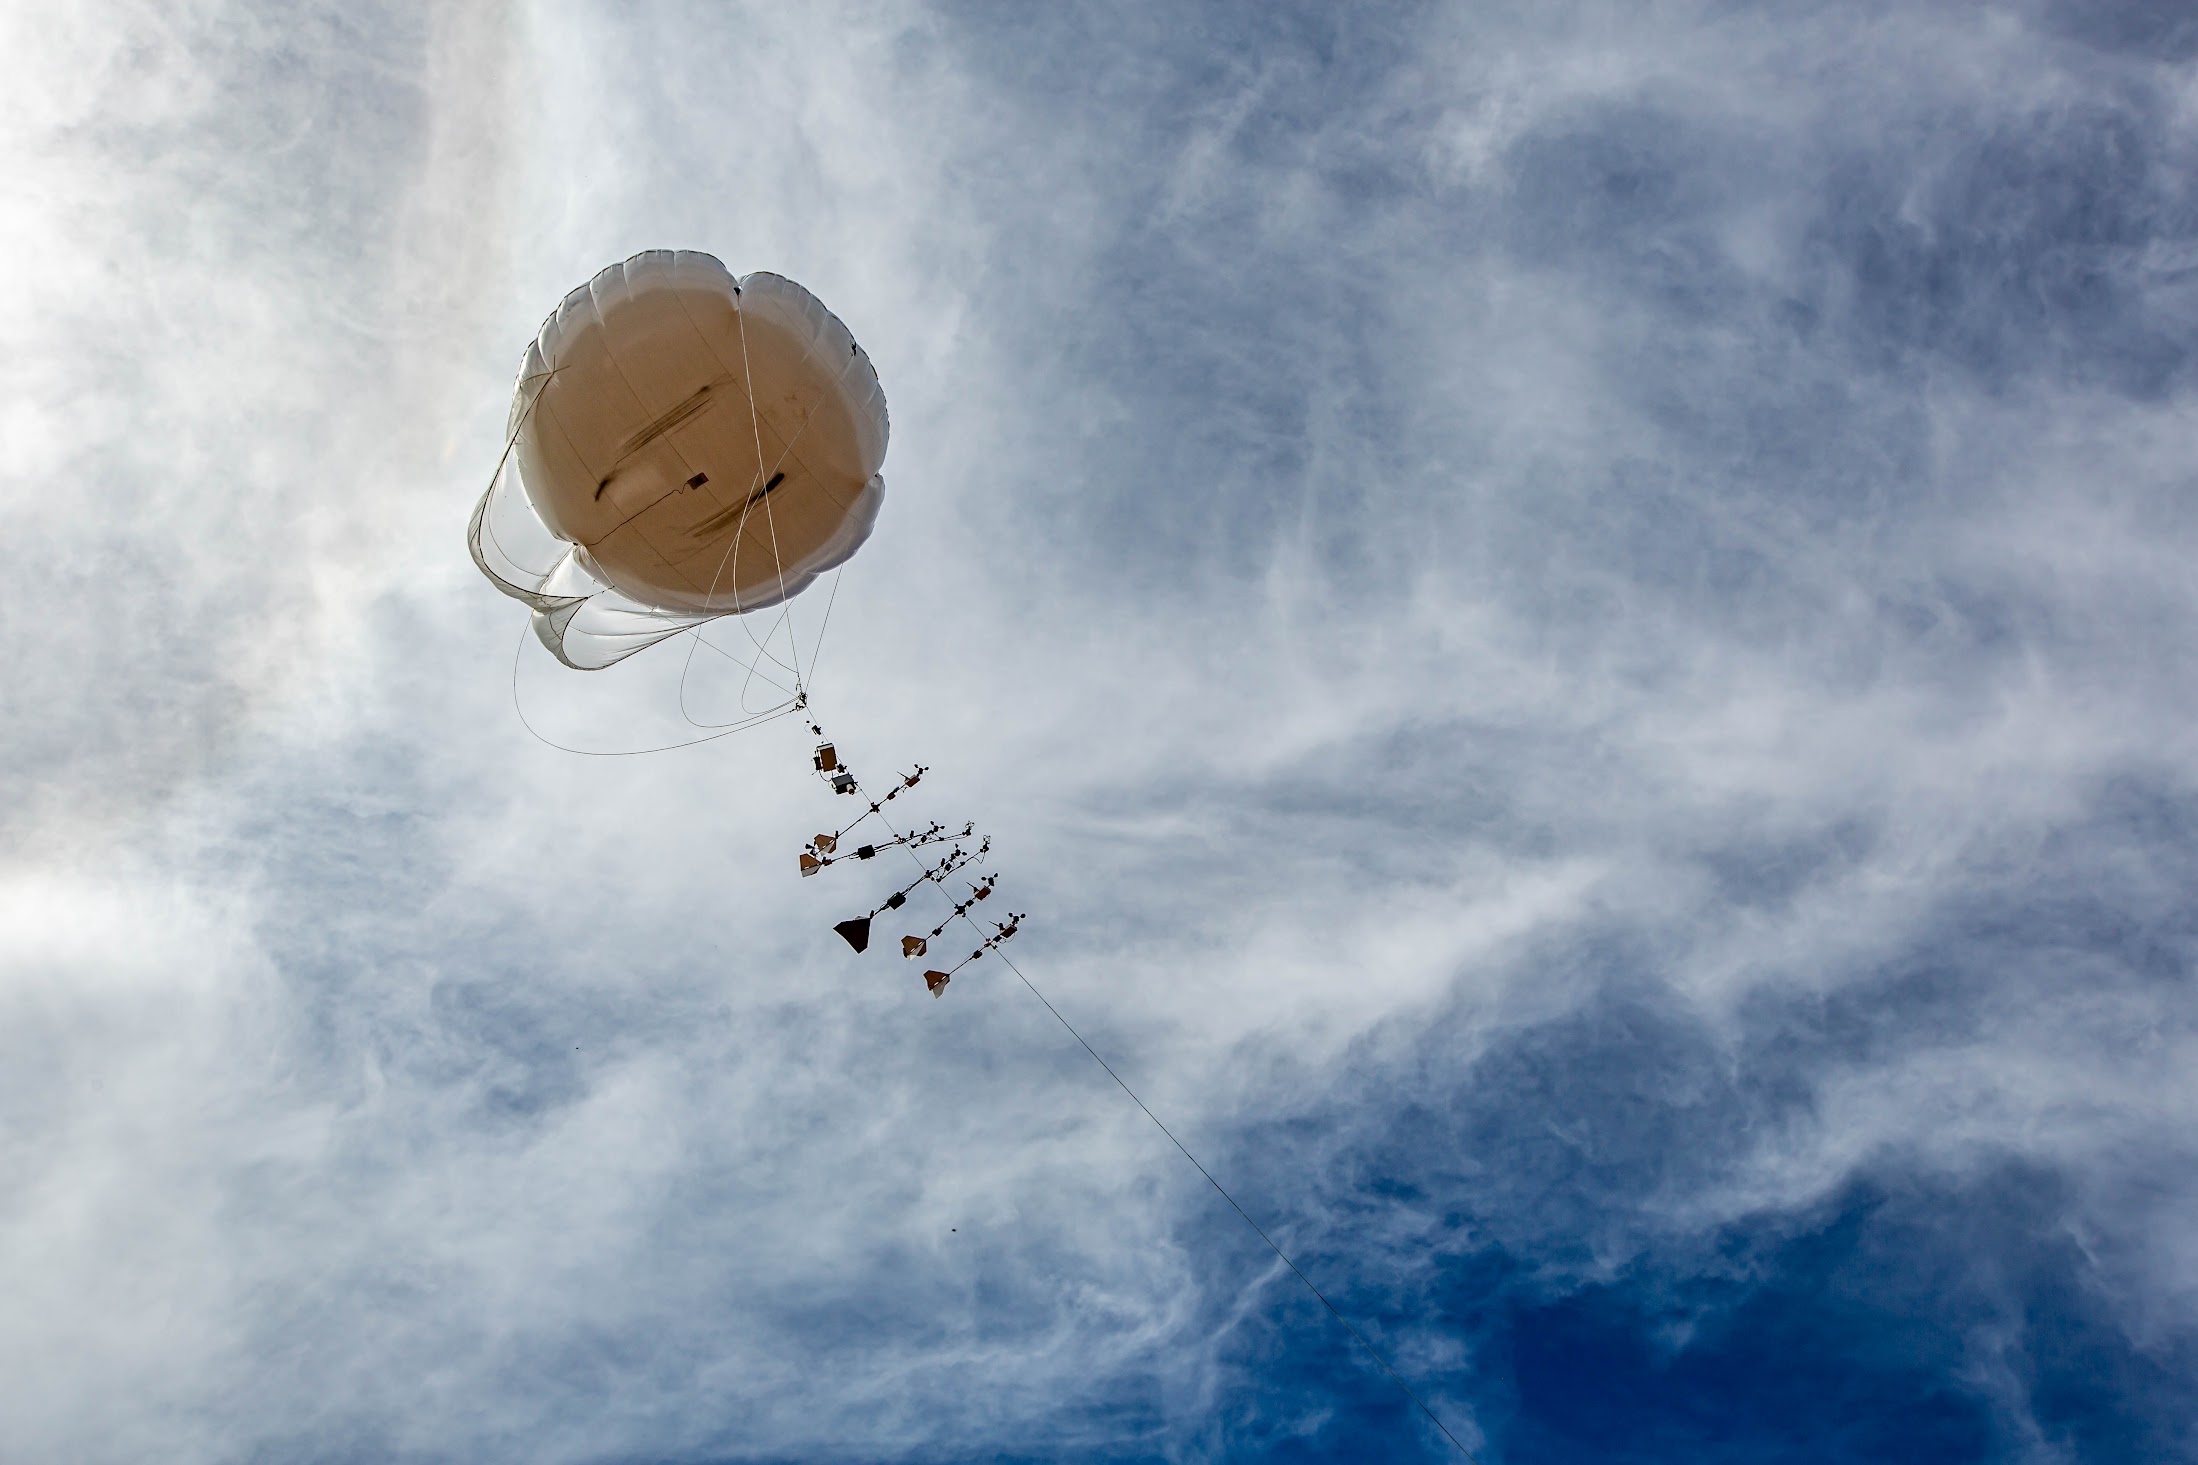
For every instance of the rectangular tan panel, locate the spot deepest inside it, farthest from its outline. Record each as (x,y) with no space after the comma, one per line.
(661,354)
(722,444)
(811,411)
(546,456)
(631,552)
(782,531)
(591,401)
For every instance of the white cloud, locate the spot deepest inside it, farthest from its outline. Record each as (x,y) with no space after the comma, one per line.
(1371,535)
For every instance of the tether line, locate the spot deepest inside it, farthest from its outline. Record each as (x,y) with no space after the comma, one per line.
(1219,1189)
(1222,1190)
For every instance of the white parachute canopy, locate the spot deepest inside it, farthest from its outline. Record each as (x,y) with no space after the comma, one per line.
(682,446)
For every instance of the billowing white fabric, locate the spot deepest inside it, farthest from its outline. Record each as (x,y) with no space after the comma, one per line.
(683,446)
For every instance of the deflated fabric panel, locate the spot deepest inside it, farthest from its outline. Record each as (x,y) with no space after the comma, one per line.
(512,547)
(590,634)
(584,623)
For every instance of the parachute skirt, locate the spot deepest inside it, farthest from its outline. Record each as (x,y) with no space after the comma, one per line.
(681,446)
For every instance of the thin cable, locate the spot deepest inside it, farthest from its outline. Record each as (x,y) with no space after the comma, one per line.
(762,647)
(785,454)
(482,514)
(732,548)
(750,667)
(739,611)
(1222,1191)
(753,668)
(770,517)
(745,683)
(816,653)
(763,474)
(1219,1188)
(782,710)
(740,528)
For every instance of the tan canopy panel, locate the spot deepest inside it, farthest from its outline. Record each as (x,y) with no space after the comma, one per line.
(683,445)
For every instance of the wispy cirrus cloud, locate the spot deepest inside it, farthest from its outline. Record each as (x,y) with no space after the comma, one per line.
(1572,620)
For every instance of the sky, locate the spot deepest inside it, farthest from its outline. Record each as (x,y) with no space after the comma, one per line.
(1573,620)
